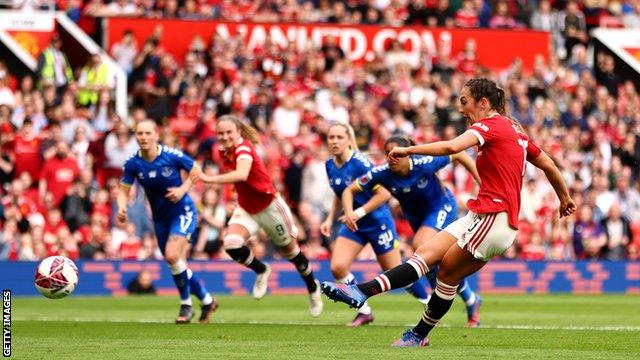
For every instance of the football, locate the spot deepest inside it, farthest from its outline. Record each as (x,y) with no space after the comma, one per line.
(56,277)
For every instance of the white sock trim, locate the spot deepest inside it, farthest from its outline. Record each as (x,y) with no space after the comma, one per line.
(444,291)
(365,309)
(233,241)
(347,279)
(292,254)
(383,280)
(178,268)
(207,299)
(186,302)
(471,300)
(418,263)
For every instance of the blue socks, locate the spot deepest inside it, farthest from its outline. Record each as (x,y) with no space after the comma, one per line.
(197,288)
(181,279)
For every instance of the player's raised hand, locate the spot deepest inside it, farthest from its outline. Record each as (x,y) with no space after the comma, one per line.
(122,215)
(174,194)
(399,152)
(567,207)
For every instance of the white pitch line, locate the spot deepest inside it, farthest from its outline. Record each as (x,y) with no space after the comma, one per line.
(261,322)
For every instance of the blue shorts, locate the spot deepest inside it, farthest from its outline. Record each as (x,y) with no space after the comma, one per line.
(382,236)
(437,219)
(183,224)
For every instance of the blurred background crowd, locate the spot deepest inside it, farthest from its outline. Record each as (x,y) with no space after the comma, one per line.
(63,145)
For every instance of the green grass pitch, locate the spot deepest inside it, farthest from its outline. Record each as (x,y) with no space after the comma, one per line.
(279,327)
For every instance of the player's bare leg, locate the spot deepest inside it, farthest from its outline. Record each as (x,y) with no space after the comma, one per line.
(345,251)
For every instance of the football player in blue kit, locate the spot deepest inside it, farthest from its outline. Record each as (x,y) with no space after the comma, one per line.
(428,205)
(376,225)
(158,169)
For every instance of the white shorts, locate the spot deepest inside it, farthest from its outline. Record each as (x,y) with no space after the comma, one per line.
(483,235)
(276,220)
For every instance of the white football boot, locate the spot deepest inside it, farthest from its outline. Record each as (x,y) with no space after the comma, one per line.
(261,284)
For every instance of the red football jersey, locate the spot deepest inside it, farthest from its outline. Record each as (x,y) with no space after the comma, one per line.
(27,153)
(257,192)
(502,156)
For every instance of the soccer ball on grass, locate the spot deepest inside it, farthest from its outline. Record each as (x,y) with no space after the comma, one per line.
(56,277)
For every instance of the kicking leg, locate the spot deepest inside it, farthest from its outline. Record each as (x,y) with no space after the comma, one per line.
(402,275)
(392,259)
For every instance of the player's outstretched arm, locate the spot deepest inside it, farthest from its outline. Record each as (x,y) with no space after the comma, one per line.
(465,160)
(551,171)
(437,148)
(241,173)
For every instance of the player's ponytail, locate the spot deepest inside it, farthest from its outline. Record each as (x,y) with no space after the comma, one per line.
(502,102)
(353,144)
(246,131)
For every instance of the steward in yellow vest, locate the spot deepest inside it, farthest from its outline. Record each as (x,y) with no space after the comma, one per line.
(94,77)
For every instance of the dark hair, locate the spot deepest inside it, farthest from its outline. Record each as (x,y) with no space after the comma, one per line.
(403,141)
(485,88)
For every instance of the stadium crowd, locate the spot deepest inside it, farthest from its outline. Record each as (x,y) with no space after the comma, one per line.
(63,145)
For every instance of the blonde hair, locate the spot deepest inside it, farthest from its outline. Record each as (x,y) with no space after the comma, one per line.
(246,131)
(353,144)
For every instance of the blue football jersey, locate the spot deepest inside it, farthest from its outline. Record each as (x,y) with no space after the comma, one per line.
(157,176)
(341,177)
(420,193)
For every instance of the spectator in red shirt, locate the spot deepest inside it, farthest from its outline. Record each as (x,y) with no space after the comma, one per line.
(26,149)
(58,173)
(467,15)
(188,113)
(467,59)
